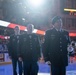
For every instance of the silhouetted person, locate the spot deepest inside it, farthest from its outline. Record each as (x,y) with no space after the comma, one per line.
(13,48)
(30,51)
(55,47)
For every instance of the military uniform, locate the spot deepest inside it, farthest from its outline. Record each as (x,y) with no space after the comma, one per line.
(13,48)
(55,48)
(30,52)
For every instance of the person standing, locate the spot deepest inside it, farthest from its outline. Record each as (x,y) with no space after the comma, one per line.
(55,47)
(30,51)
(13,48)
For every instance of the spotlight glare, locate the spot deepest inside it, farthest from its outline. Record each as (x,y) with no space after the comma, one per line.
(36,3)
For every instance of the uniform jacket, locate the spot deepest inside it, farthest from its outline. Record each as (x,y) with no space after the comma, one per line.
(13,46)
(55,47)
(29,47)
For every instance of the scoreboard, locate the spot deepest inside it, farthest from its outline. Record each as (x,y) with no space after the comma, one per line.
(68,6)
(71,4)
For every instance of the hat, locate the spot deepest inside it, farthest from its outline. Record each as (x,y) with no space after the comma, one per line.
(55,19)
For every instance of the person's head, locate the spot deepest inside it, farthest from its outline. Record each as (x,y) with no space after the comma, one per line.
(57,22)
(17,30)
(30,28)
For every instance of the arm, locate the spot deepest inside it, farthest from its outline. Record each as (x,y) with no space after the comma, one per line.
(46,47)
(9,46)
(20,48)
(69,40)
(38,47)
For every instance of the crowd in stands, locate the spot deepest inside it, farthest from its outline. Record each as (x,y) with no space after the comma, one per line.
(3,45)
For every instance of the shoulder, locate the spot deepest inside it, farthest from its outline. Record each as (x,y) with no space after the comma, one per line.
(65,31)
(35,35)
(22,35)
(49,30)
(11,36)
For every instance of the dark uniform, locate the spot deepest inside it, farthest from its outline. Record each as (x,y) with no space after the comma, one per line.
(13,48)
(30,52)
(55,49)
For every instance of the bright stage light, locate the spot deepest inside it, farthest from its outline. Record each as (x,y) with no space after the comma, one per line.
(36,3)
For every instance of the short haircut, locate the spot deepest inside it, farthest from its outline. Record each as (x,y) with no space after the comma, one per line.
(17,27)
(30,25)
(54,20)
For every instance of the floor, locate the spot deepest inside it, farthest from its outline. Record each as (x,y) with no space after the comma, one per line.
(44,69)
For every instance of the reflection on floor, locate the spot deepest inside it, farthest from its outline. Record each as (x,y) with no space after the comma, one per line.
(44,69)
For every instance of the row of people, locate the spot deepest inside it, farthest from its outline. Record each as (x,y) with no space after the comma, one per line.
(26,48)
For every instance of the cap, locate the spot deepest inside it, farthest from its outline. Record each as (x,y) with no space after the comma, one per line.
(54,19)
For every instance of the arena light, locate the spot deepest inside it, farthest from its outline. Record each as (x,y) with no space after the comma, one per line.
(36,3)
(71,10)
(41,32)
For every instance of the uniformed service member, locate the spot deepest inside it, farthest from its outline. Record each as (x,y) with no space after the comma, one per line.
(30,51)
(13,48)
(55,47)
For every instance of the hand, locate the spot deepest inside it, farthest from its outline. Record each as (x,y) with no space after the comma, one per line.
(20,59)
(48,62)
